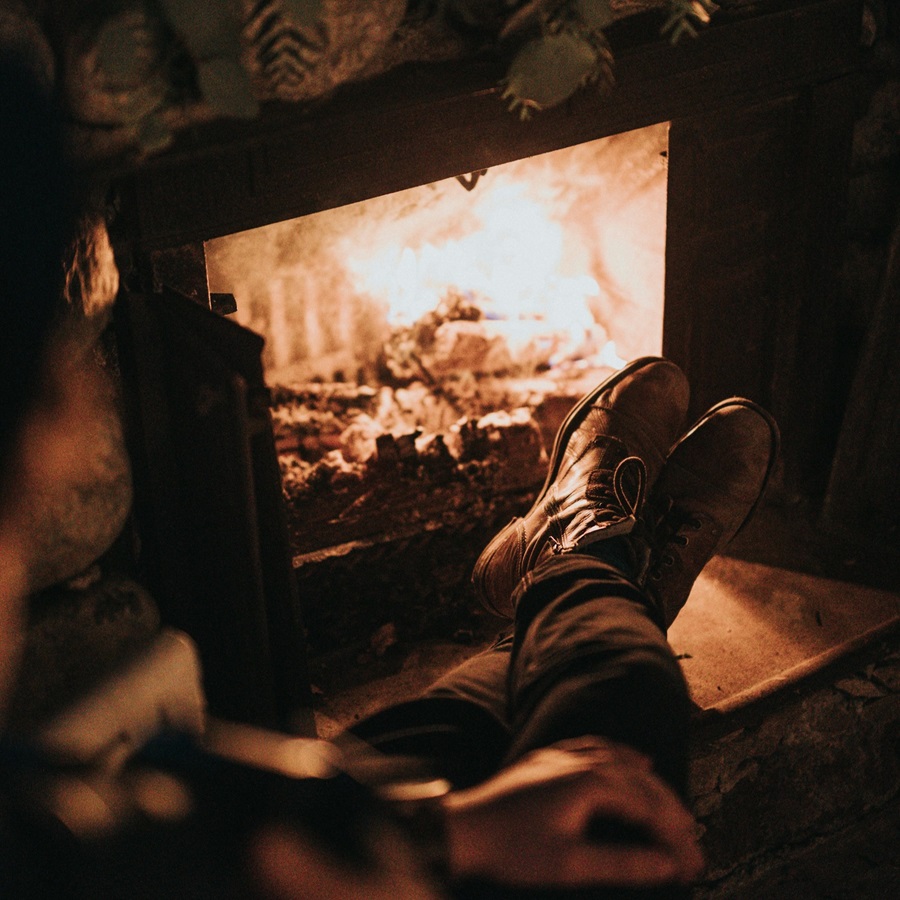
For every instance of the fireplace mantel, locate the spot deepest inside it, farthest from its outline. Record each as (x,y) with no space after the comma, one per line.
(426,121)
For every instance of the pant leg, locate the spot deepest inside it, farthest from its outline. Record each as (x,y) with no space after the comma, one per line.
(457,728)
(589,656)
(481,679)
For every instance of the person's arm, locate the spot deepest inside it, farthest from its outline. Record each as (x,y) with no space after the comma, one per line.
(585,812)
(288,865)
(536,823)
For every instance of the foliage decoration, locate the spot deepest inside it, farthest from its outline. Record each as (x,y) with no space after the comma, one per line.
(571,49)
(286,39)
(132,73)
(682,13)
(570,52)
(209,29)
(546,71)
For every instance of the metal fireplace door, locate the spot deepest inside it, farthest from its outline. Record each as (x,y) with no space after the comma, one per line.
(209,520)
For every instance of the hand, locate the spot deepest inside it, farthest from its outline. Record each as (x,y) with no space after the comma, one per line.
(530,824)
(287,865)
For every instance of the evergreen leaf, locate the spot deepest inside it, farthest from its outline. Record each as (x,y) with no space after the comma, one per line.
(548,70)
(596,14)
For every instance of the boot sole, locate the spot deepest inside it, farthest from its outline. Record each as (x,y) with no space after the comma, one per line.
(570,425)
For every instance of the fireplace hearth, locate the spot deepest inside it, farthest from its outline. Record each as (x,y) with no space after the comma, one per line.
(760,110)
(761,106)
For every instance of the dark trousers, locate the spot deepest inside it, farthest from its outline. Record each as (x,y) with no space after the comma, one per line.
(587,656)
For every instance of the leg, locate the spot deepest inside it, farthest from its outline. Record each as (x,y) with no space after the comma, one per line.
(593,574)
(608,449)
(592,577)
(590,657)
(458,725)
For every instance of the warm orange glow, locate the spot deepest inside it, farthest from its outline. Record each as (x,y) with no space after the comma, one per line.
(563,254)
(512,264)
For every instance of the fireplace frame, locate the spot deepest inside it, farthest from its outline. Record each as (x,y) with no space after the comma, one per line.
(761,106)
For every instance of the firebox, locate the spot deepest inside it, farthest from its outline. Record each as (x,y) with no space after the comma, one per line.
(744,137)
(447,328)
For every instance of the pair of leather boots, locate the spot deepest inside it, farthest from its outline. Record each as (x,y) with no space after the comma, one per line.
(623,470)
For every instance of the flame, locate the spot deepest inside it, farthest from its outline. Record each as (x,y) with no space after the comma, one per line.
(562,253)
(512,264)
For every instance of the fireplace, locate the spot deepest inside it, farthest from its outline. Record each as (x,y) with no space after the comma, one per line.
(757,116)
(445,329)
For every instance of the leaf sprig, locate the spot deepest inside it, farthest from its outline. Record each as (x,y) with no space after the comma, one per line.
(571,49)
(683,16)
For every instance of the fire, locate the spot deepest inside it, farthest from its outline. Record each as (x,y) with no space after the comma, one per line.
(562,256)
(512,263)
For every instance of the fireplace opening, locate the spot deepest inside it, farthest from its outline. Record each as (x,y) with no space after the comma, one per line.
(434,338)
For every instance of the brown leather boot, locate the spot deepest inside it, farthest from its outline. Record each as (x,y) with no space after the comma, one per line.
(709,487)
(606,456)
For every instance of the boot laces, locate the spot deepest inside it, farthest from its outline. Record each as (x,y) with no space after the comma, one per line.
(670,527)
(611,505)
